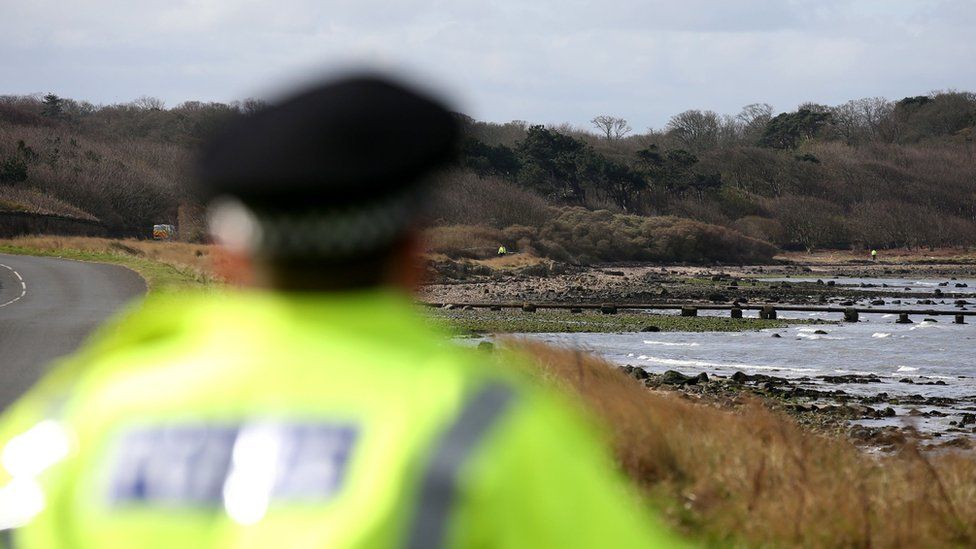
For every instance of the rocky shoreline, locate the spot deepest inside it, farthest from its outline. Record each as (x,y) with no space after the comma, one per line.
(878,421)
(815,406)
(551,282)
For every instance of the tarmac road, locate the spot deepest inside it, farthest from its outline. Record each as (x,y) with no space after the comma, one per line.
(47,308)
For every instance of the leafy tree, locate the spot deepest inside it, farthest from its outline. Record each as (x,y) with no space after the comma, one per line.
(618,181)
(13,170)
(788,130)
(702,183)
(552,164)
(486,159)
(52,106)
(671,170)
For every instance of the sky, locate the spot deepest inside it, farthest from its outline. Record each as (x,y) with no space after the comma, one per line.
(543,61)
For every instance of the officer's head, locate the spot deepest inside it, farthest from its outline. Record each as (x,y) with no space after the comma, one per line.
(324,190)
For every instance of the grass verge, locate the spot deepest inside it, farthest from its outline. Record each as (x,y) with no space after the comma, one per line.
(754,477)
(166,266)
(481,321)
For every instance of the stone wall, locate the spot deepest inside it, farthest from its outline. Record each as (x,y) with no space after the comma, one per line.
(21,223)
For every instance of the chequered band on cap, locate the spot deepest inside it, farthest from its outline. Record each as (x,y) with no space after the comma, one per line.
(314,233)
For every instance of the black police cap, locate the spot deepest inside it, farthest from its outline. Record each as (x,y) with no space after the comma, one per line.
(333,170)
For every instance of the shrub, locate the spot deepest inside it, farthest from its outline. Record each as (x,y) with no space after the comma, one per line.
(588,236)
(465,198)
(471,241)
(761,228)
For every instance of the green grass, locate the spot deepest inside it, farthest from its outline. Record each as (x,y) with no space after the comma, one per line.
(481,321)
(160,277)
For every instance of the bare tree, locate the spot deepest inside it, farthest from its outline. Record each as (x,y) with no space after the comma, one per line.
(753,119)
(147,103)
(696,130)
(611,127)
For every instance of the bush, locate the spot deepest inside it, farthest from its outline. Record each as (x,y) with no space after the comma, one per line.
(578,235)
(470,241)
(761,228)
(587,236)
(465,198)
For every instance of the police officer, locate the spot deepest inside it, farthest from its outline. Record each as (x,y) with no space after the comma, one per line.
(315,409)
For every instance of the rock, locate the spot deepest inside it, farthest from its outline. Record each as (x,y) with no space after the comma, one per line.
(906,380)
(486,346)
(635,372)
(819,332)
(776,335)
(878,302)
(888,412)
(650,328)
(967,419)
(672,377)
(851,378)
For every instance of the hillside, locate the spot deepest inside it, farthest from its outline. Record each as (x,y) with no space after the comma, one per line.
(707,187)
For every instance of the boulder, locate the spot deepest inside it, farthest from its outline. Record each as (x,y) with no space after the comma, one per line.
(672,377)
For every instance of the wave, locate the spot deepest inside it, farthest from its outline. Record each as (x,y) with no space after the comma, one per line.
(671,343)
(880,335)
(815,337)
(732,365)
(902,369)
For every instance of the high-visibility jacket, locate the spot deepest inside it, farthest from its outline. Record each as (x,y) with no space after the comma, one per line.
(275,420)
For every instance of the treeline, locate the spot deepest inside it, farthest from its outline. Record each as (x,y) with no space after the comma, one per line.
(868,173)
(126,165)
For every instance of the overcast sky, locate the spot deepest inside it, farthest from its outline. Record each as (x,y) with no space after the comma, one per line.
(545,61)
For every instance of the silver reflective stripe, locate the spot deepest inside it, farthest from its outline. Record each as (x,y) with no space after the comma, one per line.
(439,483)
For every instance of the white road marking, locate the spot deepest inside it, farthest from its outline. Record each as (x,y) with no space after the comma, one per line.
(23,286)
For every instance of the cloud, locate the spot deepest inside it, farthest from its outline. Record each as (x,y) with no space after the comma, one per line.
(546,61)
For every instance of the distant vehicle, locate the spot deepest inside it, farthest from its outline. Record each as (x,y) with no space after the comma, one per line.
(164,232)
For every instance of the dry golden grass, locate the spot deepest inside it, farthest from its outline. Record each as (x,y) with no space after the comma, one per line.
(898,255)
(755,478)
(511,261)
(196,256)
(166,266)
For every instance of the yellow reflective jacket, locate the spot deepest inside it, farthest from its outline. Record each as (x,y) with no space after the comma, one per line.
(262,420)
